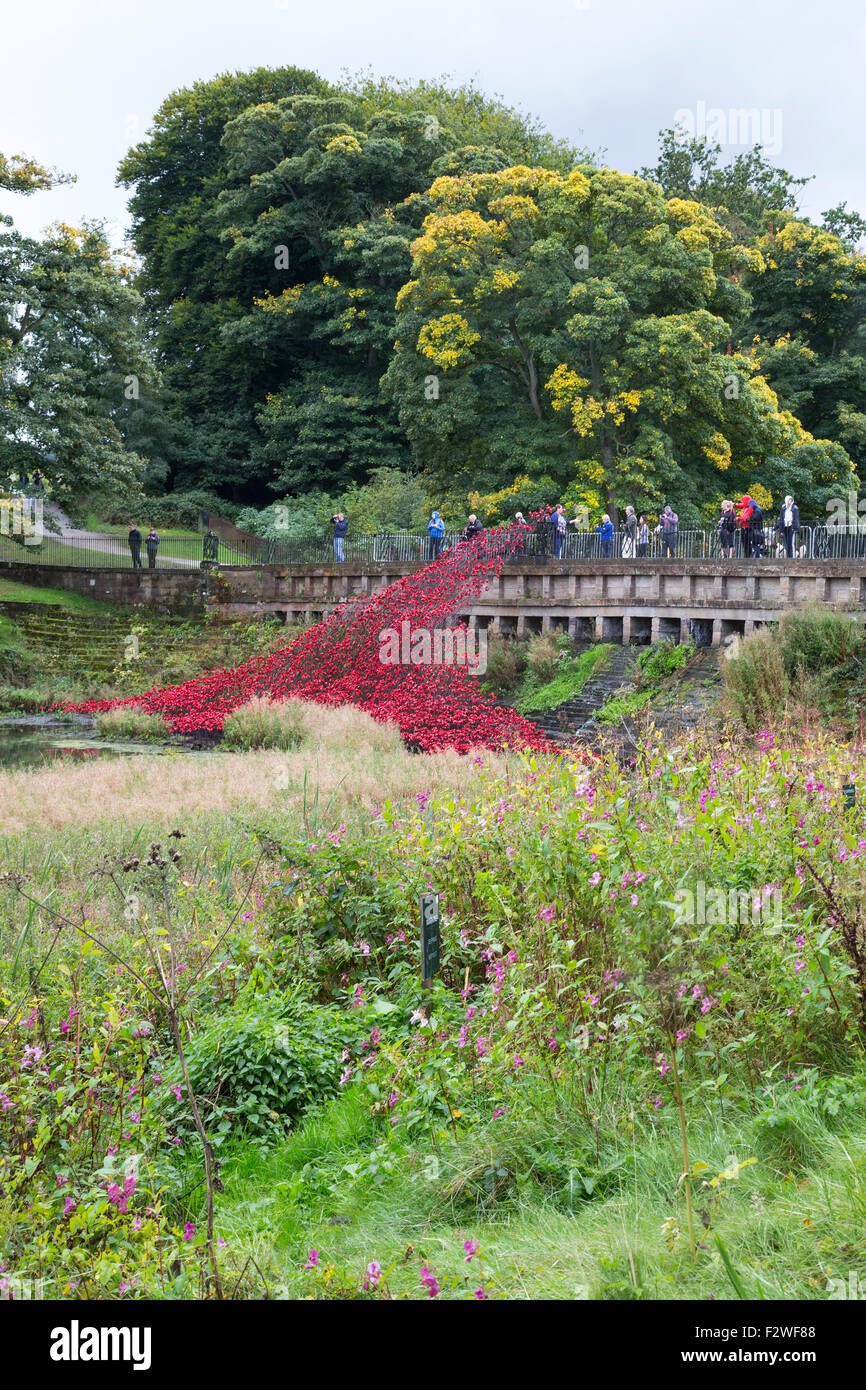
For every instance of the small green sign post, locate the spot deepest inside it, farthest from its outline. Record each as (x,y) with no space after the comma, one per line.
(849,791)
(429,937)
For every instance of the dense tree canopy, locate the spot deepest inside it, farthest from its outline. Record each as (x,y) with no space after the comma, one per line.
(338,286)
(587,319)
(73,367)
(274,214)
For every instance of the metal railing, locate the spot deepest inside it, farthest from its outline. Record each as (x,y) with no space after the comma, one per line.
(112,551)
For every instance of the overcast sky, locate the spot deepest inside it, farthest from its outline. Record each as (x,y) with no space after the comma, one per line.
(81,80)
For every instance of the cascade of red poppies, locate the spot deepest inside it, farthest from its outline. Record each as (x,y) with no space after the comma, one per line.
(343,660)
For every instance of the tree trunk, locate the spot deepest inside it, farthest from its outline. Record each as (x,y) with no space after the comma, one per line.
(606,463)
(530,375)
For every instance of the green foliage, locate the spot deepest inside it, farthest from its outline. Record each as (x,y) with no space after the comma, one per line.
(620,707)
(742,191)
(288,348)
(658,662)
(390,500)
(263,723)
(127,722)
(816,637)
(72,342)
(650,674)
(525,1102)
(506,663)
(17,664)
(568,678)
(260,1065)
(813,660)
(519,328)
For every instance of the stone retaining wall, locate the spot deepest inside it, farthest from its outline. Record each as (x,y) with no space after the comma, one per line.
(613,600)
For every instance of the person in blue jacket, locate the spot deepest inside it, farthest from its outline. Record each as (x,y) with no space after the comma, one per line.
(605,529)
(341,526)
(436,532)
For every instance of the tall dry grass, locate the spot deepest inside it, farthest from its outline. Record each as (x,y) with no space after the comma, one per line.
(346,760)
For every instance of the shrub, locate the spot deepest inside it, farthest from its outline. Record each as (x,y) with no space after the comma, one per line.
(815,638)
(657,663)
(128,722)
(18,665)
(176,509)
(543,653)
(756,682)
(263,723)
(506,663)
(261,1064)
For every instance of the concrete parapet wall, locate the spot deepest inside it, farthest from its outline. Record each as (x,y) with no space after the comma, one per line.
(619,600)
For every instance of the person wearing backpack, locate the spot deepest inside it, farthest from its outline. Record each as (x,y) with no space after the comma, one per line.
(756,530)
(151,545)
(744,518)
(727,527)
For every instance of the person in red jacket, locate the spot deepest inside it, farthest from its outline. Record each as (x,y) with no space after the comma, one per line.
(744,522)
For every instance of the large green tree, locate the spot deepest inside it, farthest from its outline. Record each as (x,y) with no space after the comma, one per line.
(807,327)
(807,321)
(274,214)
(741,192)
(72,365)
(592,319)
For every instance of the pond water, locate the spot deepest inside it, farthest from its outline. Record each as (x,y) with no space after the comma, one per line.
(38,741)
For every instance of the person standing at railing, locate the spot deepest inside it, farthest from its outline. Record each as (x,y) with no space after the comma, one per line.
(629,536)
(517,529)
(559,529)
(474,528)
(642,537)
(751,520)
(727,527)
(788,525)
(544,532)
(151,545)
(341,526)
(436,532)
(605,530)
(134,543)
(668,529)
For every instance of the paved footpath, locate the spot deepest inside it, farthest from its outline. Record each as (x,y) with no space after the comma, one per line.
(106,545)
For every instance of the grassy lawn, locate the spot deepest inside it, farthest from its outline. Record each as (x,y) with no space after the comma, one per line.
(106,529)
(11,592)
(59,552)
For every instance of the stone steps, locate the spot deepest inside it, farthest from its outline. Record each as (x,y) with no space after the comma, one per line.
(96,640)
(566,719)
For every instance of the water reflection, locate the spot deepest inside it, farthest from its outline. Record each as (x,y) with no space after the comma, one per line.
(44,741)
